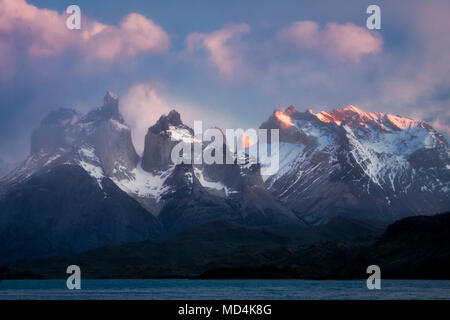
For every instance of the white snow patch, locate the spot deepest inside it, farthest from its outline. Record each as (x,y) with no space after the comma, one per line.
(288,155)
(94,171)
(402,122)
(211,184)
(91,164)
(88,153)
(145,184)
(306,127)
(119,125)
(52,158)
(181,134)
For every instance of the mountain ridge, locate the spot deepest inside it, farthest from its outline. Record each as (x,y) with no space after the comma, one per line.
(380,164)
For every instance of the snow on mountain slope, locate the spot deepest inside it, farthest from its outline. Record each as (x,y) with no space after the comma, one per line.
(349,161)
(145,184)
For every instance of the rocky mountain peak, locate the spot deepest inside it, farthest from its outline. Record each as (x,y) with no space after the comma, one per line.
(290,110)
(164,122)
(109,110)
(385,165)
(110,98)
(358,118)
(160,139)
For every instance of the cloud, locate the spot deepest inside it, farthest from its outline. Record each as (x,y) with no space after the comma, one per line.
(141,108)
(222,46)
(135,34)
(347,42)
(42,32)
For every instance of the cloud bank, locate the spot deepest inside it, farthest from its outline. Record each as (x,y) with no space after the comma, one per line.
(222,46)
(41,32)
(347,42)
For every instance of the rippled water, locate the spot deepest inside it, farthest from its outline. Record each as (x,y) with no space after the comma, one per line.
(224,289)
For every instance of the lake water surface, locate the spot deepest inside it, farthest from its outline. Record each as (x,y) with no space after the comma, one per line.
(224,289)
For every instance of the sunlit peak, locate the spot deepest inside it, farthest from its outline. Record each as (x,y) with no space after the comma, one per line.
(284,118)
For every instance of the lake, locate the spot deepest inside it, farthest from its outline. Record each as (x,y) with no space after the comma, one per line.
(224,289)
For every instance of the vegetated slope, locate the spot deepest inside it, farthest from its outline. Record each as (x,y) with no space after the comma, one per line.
(412,248)
(216,245)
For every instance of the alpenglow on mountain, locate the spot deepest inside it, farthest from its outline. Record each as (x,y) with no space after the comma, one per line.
(361,164)
(84,185)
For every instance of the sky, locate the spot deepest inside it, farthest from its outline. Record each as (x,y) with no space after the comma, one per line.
(229,63)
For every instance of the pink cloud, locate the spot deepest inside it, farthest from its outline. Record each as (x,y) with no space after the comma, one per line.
(221,46)
(347,42)
(42,32)
(134,35)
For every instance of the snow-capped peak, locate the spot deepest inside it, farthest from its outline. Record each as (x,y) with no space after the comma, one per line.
(170,123)
(362,156)
(355,117)
(110,97)
(402,122)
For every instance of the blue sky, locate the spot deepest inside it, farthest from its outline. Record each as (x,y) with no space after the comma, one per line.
(230,63)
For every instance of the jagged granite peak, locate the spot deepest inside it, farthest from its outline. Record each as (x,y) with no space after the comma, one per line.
(172,119)
(115,149)
(99,141)
(354,162)
(109,110)
(161,138)
(110,98)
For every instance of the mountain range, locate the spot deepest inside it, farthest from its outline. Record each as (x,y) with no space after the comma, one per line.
(84,186)
(361,164)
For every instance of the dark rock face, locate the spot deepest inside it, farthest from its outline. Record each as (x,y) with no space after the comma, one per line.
(109,110)
(115,148)
(65,211)
(173,118)
(159,141)
(157,151)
